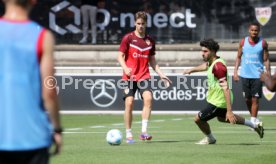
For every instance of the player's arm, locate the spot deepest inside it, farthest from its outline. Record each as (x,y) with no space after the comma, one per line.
(121,60)
(49,93)
(220,72)
(266,58)
(156,68)
(270,82)
(200,68)
(238,61)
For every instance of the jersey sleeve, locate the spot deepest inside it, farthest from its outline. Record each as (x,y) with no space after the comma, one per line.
(124,44)
(220,71)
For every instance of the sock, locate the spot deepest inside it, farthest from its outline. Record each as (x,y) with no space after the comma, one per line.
(249,123)
(253,119)
(144,126)
(128,133)
(210,136)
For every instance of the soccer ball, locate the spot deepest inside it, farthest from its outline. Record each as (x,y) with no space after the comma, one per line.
(114,137)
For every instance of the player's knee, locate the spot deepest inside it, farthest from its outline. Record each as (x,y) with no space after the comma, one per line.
(147,97)
(129,101)
(197,119)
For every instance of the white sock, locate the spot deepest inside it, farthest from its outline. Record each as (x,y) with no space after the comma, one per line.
(128,133)
(210,136)
(144,126)
(249,123)
(253,119)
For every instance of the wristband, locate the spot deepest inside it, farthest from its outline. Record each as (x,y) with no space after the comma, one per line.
(58,130)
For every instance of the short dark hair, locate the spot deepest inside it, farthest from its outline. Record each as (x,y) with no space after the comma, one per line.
(142,15)
(210,44)
(22,3)
(255,24)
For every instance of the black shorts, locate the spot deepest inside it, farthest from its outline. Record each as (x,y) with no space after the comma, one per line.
(211,111)
(40,156)
(133,86)
(252,88)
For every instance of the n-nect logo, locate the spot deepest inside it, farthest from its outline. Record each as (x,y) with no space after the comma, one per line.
(158,20)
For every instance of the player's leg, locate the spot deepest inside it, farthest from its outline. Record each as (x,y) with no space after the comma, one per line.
(256,90)
(201,119)
(128,117)
(242,121)
(247,93)
(146,93)
(85,19)
(93,18)
(129,93)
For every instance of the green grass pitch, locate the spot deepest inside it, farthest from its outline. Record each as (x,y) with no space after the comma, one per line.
(173,142)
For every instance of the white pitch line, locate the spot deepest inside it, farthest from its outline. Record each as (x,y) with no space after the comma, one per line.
(157,121)
(99,126)
(181,132)
(73,129)
(83,132)
(118,124)
(177,119)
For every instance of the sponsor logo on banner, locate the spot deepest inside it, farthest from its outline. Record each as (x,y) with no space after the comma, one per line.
(263,14)
(267,94)
(103,93)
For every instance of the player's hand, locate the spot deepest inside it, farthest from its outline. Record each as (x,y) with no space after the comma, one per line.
(166,80)
(264,76)
(57,137)
(231,117)
(128,71)
(236,77)
(187,72)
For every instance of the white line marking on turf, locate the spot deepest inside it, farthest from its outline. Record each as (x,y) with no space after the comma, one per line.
(177,119)
(83,132)
(74,129)
(157,121)
(97,126)
(118,124)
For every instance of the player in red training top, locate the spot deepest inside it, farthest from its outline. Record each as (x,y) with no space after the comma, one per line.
(136,52)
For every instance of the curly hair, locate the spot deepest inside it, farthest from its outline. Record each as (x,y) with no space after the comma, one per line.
(210,44)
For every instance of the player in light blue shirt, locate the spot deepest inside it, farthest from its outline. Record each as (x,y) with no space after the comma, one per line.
(252,56)
(29,111)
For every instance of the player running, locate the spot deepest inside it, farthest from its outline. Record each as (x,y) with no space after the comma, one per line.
(219,96)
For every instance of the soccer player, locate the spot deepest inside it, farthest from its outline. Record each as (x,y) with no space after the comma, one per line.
(219,96)
(136,52)
(253,56)
(269,81)
(29,119)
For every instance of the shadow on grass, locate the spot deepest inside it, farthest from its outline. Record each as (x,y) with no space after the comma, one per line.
(270,129)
